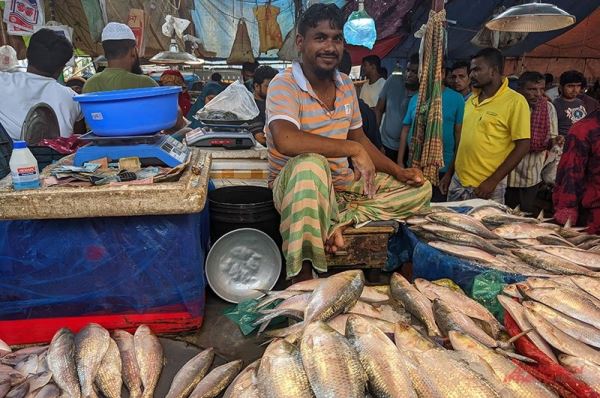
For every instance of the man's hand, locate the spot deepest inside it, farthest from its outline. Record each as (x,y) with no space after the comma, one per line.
(413,177)
(364,167)
(558,140)
(485,189)
(445,183)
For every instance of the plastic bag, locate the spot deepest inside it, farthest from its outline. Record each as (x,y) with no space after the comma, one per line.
(245,314)
(234,101)
(486,287)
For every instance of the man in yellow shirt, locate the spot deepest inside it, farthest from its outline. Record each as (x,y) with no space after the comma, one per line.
(495,132)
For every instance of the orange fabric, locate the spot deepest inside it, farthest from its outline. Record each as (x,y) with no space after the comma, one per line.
(268,27)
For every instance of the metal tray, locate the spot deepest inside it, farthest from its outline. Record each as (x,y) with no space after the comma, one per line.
(242,261)
(185,196)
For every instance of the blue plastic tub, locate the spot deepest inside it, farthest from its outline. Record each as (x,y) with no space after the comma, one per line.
(130,112)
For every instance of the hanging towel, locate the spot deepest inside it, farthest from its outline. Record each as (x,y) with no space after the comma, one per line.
(268,27)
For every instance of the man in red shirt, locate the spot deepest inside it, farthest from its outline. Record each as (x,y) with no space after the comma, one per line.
(577,191)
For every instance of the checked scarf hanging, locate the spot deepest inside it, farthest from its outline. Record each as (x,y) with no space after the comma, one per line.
(426,147)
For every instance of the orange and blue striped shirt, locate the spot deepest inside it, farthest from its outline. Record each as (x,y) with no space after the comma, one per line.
(291,97)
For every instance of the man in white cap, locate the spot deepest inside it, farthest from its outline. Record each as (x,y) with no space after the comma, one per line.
(123,69)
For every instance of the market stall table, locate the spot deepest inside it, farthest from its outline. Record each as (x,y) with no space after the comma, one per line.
(117,255)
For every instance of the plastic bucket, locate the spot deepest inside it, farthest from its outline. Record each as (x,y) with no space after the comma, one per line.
(237,207)
(130,112)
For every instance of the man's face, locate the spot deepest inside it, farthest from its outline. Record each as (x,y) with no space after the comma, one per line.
(247,75)
(533,91)
(571,90)
(482,74)
(366,69)
(322,48)
(260,90)
(412,76)
(460,79)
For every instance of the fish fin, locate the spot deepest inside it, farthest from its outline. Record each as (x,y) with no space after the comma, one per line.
(540,217)
(515,356)
(568,224)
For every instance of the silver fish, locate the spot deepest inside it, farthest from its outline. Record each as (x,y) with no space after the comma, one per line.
(579,330)
(408,339)
(551,263)
(513,377)
(108,378)
(450,319)
(560,340)
(582,369)
(130,368)
(245,385)
(563,300)
(554,241)
(91,343)
(414,302)
(517,312)
(281,373)
(384,312)
(331,364)
(470,253)
(452,235)
(460,302)
(589,285)
(338,323)
(464,223)
(217,380)
(480,212)
(523,231)
(39,380)
(334,295)
(28,366)
(496,220)
(149,356)
(4,348)
(50,390)
(188,377)
(381,360)
(578,256)
(19,391)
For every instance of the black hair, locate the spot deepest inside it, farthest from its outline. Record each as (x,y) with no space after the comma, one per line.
(530,77)
(250,66)
(263,73)
(345,65)
(49,51)
(460,65)
(548,78)
(383,72)
(116,49)
(572,76)
(414,59)
(216,77)
(74,83)
(373,60)
(320,12)
(493,57)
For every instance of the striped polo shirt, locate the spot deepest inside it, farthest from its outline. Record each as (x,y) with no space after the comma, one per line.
(290,97)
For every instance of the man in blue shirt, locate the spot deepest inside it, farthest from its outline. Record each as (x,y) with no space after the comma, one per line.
(453,108)
(392,104)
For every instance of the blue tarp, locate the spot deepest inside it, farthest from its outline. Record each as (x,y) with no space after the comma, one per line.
(53,268)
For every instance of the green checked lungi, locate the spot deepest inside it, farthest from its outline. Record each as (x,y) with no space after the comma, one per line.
(311,210)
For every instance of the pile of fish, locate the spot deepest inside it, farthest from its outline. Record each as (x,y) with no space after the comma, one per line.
(84,364)
(323,356)
(511,243)
(564,316)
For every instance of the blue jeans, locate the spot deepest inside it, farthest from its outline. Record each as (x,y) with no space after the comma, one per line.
(458,192)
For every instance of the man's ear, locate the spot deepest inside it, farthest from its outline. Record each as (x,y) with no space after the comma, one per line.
(299,42)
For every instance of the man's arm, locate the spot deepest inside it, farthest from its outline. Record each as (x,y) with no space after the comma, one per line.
(382,163)
(488,186)
(402,147)
(379,110)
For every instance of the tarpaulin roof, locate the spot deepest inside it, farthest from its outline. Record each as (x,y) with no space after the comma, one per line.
(470,15)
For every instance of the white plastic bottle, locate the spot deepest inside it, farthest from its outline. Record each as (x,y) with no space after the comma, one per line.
(23,167)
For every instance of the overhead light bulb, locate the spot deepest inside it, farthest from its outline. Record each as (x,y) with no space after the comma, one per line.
(531,17)
(360,30)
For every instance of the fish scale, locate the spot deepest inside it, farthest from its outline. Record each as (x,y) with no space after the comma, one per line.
(379,356)
(281,373)
(130,369)
(190,374)
(331,364)
(414,302)
(245,385)
(149,356)
(333,295)
(464,223)
(551,263)
(109,379)
(217,380)
(91,343)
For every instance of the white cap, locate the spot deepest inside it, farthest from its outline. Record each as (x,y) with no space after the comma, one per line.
(117,31)
(8,58)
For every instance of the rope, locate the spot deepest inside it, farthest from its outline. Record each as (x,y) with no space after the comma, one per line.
(426,149)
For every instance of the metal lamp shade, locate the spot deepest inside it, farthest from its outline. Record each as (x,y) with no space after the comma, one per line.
(532,17)
(175,57)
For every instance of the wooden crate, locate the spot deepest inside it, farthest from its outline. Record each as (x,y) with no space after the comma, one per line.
(365,248)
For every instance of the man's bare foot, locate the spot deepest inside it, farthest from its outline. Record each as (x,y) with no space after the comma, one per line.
(335,241)
(304,274)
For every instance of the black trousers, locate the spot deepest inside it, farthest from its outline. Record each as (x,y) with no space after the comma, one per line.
(391,153)
(525,198)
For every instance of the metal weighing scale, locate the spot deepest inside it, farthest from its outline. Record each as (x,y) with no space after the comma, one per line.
(221,135)
(152,150)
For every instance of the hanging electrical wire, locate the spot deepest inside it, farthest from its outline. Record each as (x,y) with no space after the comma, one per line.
(426,149)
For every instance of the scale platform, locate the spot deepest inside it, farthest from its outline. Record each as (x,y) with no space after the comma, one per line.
(152,150)
(229,137)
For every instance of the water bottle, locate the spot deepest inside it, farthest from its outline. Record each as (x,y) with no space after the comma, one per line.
(23,167)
